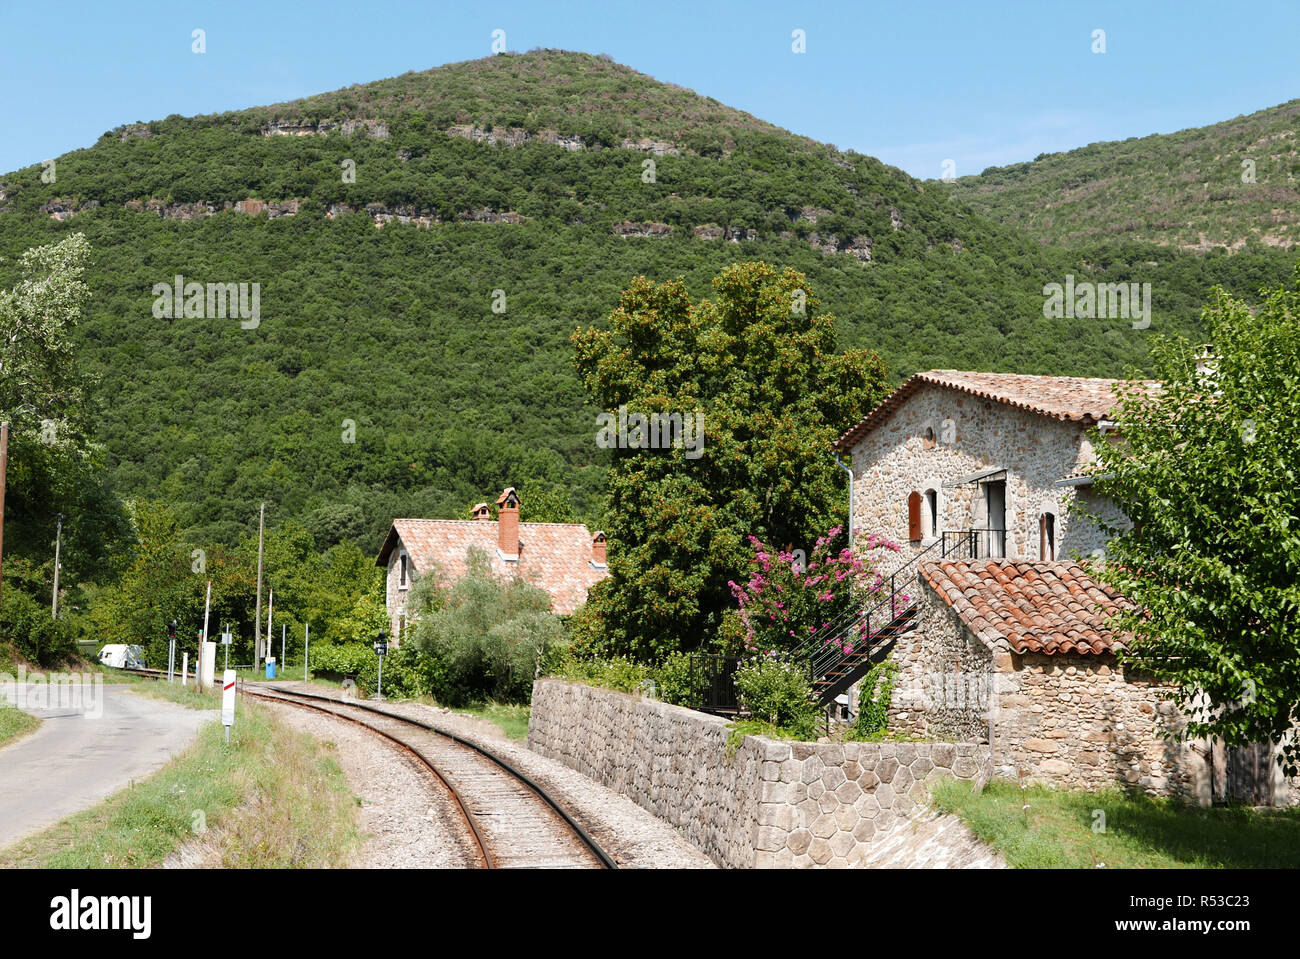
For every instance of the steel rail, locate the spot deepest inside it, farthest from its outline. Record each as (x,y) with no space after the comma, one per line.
(583,836)
(603,857)
(470,819)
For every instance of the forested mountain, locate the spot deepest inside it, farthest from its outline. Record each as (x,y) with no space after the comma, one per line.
(1233,185)
(425,246)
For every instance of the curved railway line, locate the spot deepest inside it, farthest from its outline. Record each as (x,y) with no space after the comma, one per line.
(510,821)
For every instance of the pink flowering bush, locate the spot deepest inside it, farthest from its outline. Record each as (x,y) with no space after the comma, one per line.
(785,604)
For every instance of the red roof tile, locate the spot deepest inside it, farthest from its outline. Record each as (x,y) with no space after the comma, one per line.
(553,556)
(1036,607)
(1078,398)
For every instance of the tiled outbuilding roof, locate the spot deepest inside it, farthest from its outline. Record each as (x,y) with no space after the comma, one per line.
(553,556)
(1036,607)
(1079,398)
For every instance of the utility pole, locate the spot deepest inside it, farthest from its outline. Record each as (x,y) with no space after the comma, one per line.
(58,545)
(257,617)
(4,466)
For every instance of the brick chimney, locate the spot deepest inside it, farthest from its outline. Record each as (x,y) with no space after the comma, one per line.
(598,549)
(481,512)
(508,524)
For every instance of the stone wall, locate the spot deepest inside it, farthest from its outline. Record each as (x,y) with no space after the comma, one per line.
(770,803)
(943,683)
(971,434)
(1081,722)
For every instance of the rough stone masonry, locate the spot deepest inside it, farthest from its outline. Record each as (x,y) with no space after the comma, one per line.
(768,803)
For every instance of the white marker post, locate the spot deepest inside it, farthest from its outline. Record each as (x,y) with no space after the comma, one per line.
(228,701)
(270,606)
(185,668)
(306,647)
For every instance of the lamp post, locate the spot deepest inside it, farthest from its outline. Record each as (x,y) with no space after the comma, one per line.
(381,650)
(171,649)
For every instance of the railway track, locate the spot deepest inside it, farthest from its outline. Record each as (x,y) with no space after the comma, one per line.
(510,820)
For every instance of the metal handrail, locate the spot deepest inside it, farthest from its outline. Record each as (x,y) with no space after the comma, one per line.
(822,658)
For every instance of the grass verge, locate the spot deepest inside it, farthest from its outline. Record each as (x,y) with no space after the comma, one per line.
(15,724)
(274,798)
(1082,830)
(194,698)
(510,718)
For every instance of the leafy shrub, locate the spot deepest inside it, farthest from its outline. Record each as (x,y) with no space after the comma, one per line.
(675,684)
(489,636)
(29,627)
(874,697)
(778,692)
(348,659)
(615,672)
(407,673)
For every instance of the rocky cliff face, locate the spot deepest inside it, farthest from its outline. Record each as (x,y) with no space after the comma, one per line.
(628,228)
(193,211)
(517,136)
(374,129)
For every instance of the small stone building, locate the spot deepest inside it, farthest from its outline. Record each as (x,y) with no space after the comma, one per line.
(564,559)
(1005,637)
(1018,654)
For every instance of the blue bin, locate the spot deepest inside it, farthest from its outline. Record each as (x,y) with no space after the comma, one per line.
(270,668)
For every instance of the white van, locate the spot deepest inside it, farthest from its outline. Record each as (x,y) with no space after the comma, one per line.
(122,656)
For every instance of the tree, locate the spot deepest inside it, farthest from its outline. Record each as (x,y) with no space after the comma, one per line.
(1208,470)
(53,466)
(490,633)
(38,376)
(759,371)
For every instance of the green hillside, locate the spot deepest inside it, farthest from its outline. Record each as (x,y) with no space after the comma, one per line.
(1182,189)
(525,174)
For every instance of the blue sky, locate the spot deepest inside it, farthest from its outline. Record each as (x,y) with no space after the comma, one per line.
(911,83)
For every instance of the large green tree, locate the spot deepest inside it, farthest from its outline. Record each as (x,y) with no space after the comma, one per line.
(1208,469)
(760,365)
(53,466)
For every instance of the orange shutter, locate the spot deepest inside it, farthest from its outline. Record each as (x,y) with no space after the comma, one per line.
(914,517)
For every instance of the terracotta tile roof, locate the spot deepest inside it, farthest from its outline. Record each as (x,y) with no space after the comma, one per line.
(553,556)
(1079,398)
(1036,607)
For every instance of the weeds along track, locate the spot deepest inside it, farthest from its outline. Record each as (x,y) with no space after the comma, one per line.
(510,821)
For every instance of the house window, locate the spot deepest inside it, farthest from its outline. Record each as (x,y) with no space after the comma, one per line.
(402,576)
(928,441)
(401,624)
(932,513)
(915,529)
(1047,537)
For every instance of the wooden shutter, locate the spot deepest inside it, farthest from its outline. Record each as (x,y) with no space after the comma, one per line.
(914,517)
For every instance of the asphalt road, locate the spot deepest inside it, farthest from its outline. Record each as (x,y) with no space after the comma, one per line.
(77,759)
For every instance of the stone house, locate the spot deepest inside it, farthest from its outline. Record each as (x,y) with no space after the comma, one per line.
(1004,639)
(564,559)
(995,457)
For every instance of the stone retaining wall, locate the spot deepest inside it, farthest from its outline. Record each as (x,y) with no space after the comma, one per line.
(770,803)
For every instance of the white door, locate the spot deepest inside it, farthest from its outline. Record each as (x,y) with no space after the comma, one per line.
(995,502)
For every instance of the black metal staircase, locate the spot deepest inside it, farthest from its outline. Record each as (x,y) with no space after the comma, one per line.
(846,649)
